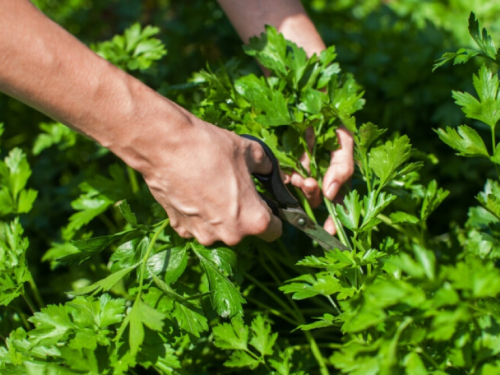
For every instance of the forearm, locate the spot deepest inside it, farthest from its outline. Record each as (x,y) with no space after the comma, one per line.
(47,68)
(288,16)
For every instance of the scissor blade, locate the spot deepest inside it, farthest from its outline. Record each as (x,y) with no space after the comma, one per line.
(299,219)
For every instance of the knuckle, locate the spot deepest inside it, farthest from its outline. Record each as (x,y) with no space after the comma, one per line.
(183,232)
(205,240)
(232,240)
(260,222)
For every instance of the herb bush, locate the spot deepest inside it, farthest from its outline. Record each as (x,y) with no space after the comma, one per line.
(120,293)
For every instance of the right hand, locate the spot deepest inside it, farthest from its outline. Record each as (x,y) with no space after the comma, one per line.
(205,185)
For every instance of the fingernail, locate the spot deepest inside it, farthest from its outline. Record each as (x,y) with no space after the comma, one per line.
(332,190)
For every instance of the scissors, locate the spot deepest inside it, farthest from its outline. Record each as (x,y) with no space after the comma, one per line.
(285,206)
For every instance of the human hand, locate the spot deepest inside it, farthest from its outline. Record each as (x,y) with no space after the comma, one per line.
(205,185)
(340,171)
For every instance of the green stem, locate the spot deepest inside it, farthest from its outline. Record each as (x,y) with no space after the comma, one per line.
(282,272)
(428,357)
(340,229)
(304,203)
(109,224)
(388,221)
(317,353)
(273,296)
(325,345)
(133,179)
(141,280)
(272,311)
(36,293)
(146,256)
(29,303)
(493,145)
(333,304)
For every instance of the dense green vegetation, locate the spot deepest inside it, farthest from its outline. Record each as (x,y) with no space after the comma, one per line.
(93,280)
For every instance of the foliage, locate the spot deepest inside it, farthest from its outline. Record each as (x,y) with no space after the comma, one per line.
(125,294)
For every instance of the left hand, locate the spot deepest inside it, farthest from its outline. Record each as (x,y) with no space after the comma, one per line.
(340,171)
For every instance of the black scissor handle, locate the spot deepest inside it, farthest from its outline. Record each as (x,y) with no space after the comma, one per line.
(272,182)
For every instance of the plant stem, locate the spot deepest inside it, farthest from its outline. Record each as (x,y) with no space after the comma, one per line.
(340,229)
(146,256)
(333,304)
(428,357)
(493,145)
(317,353)
(36,293)
(29,303)
(273,311)
(141,280)
(273,296)
(277,265)
(388,221)
(304,203)
(109,224)
(133,179)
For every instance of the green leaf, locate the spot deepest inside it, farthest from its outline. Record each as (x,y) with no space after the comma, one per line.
(482,39)
(323,283)
(54,134)
(490,198)
(269,50)
(135,50)
(385,160)
(414,364)
(232,336)
(218,263)
(283,365)
(466,141)
(171,261)
(91,246)
(262,339)
(400,217)
(427,260)
(52,323)
(312,101)
(487,108)
(14,270)
(127,213)
(106,283)
(143,315)
(157,353)
(89,207)
(374,204)
(432,199)
(366,135)
(462,56)
(327,320)
(129,253)
(190,318)
(242,359)
(103,312)
(270,105)
(350,210)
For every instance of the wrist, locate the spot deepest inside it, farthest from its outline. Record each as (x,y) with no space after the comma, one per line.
(145,128)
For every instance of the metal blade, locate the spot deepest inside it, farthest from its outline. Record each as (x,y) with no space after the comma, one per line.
(299,219)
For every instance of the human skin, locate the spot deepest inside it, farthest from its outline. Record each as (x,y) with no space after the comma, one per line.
(249,18)
(45,67)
